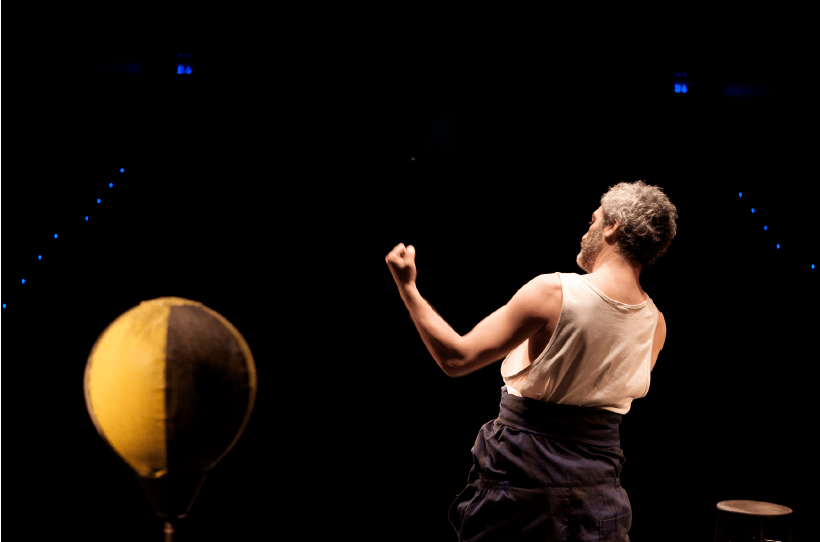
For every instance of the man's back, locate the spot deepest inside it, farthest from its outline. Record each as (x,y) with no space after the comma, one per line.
(631,294)
(593,351)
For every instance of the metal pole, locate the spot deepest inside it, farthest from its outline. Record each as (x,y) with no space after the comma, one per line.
(169,531)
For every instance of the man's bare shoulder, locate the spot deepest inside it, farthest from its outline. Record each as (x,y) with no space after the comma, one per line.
(548,282)
(546,298)
(544,289)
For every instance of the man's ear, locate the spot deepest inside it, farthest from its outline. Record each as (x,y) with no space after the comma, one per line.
(611,232)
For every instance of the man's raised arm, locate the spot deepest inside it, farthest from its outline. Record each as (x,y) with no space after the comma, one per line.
(492,339)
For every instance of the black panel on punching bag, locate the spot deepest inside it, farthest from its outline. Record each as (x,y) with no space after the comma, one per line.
(206,375)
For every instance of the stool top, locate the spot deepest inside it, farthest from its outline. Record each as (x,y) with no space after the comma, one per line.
(753,508)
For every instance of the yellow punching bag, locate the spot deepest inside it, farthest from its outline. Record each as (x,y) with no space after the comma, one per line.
(170,386)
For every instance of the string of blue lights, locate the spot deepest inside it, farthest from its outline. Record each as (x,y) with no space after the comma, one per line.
(766,228)
(57,235)
(183,66)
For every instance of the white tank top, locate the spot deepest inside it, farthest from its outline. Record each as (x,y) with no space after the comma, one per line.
(598,357)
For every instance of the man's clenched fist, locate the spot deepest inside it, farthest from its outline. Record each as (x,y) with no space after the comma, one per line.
(402,264)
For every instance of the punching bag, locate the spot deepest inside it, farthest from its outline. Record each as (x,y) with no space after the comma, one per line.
(170,386)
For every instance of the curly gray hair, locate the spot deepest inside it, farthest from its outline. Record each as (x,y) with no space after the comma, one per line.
(647,219)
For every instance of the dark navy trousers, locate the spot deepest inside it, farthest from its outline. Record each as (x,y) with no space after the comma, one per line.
(545,472)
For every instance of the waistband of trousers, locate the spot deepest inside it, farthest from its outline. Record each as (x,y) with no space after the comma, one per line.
(591,426)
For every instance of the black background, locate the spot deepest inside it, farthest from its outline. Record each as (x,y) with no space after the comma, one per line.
(270,184)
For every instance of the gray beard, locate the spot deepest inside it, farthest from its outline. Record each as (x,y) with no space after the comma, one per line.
(590,250)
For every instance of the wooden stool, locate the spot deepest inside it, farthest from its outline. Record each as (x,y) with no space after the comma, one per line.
(752,514)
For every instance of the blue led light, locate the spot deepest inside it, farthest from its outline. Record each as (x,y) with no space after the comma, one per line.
(122,170)
(778,245)
(753,209)
(740,194)
(24,281)
(4,305)
(86,219)
(765,228)
(98,200)
(55,236)
(180,69)
(683,89)
(677,88)
(188,69)
(110,185)
(40,257)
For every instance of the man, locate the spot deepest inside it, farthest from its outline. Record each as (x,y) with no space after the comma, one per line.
(577,350)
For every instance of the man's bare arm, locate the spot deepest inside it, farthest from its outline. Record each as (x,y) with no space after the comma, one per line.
(493,338)
(441,340)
